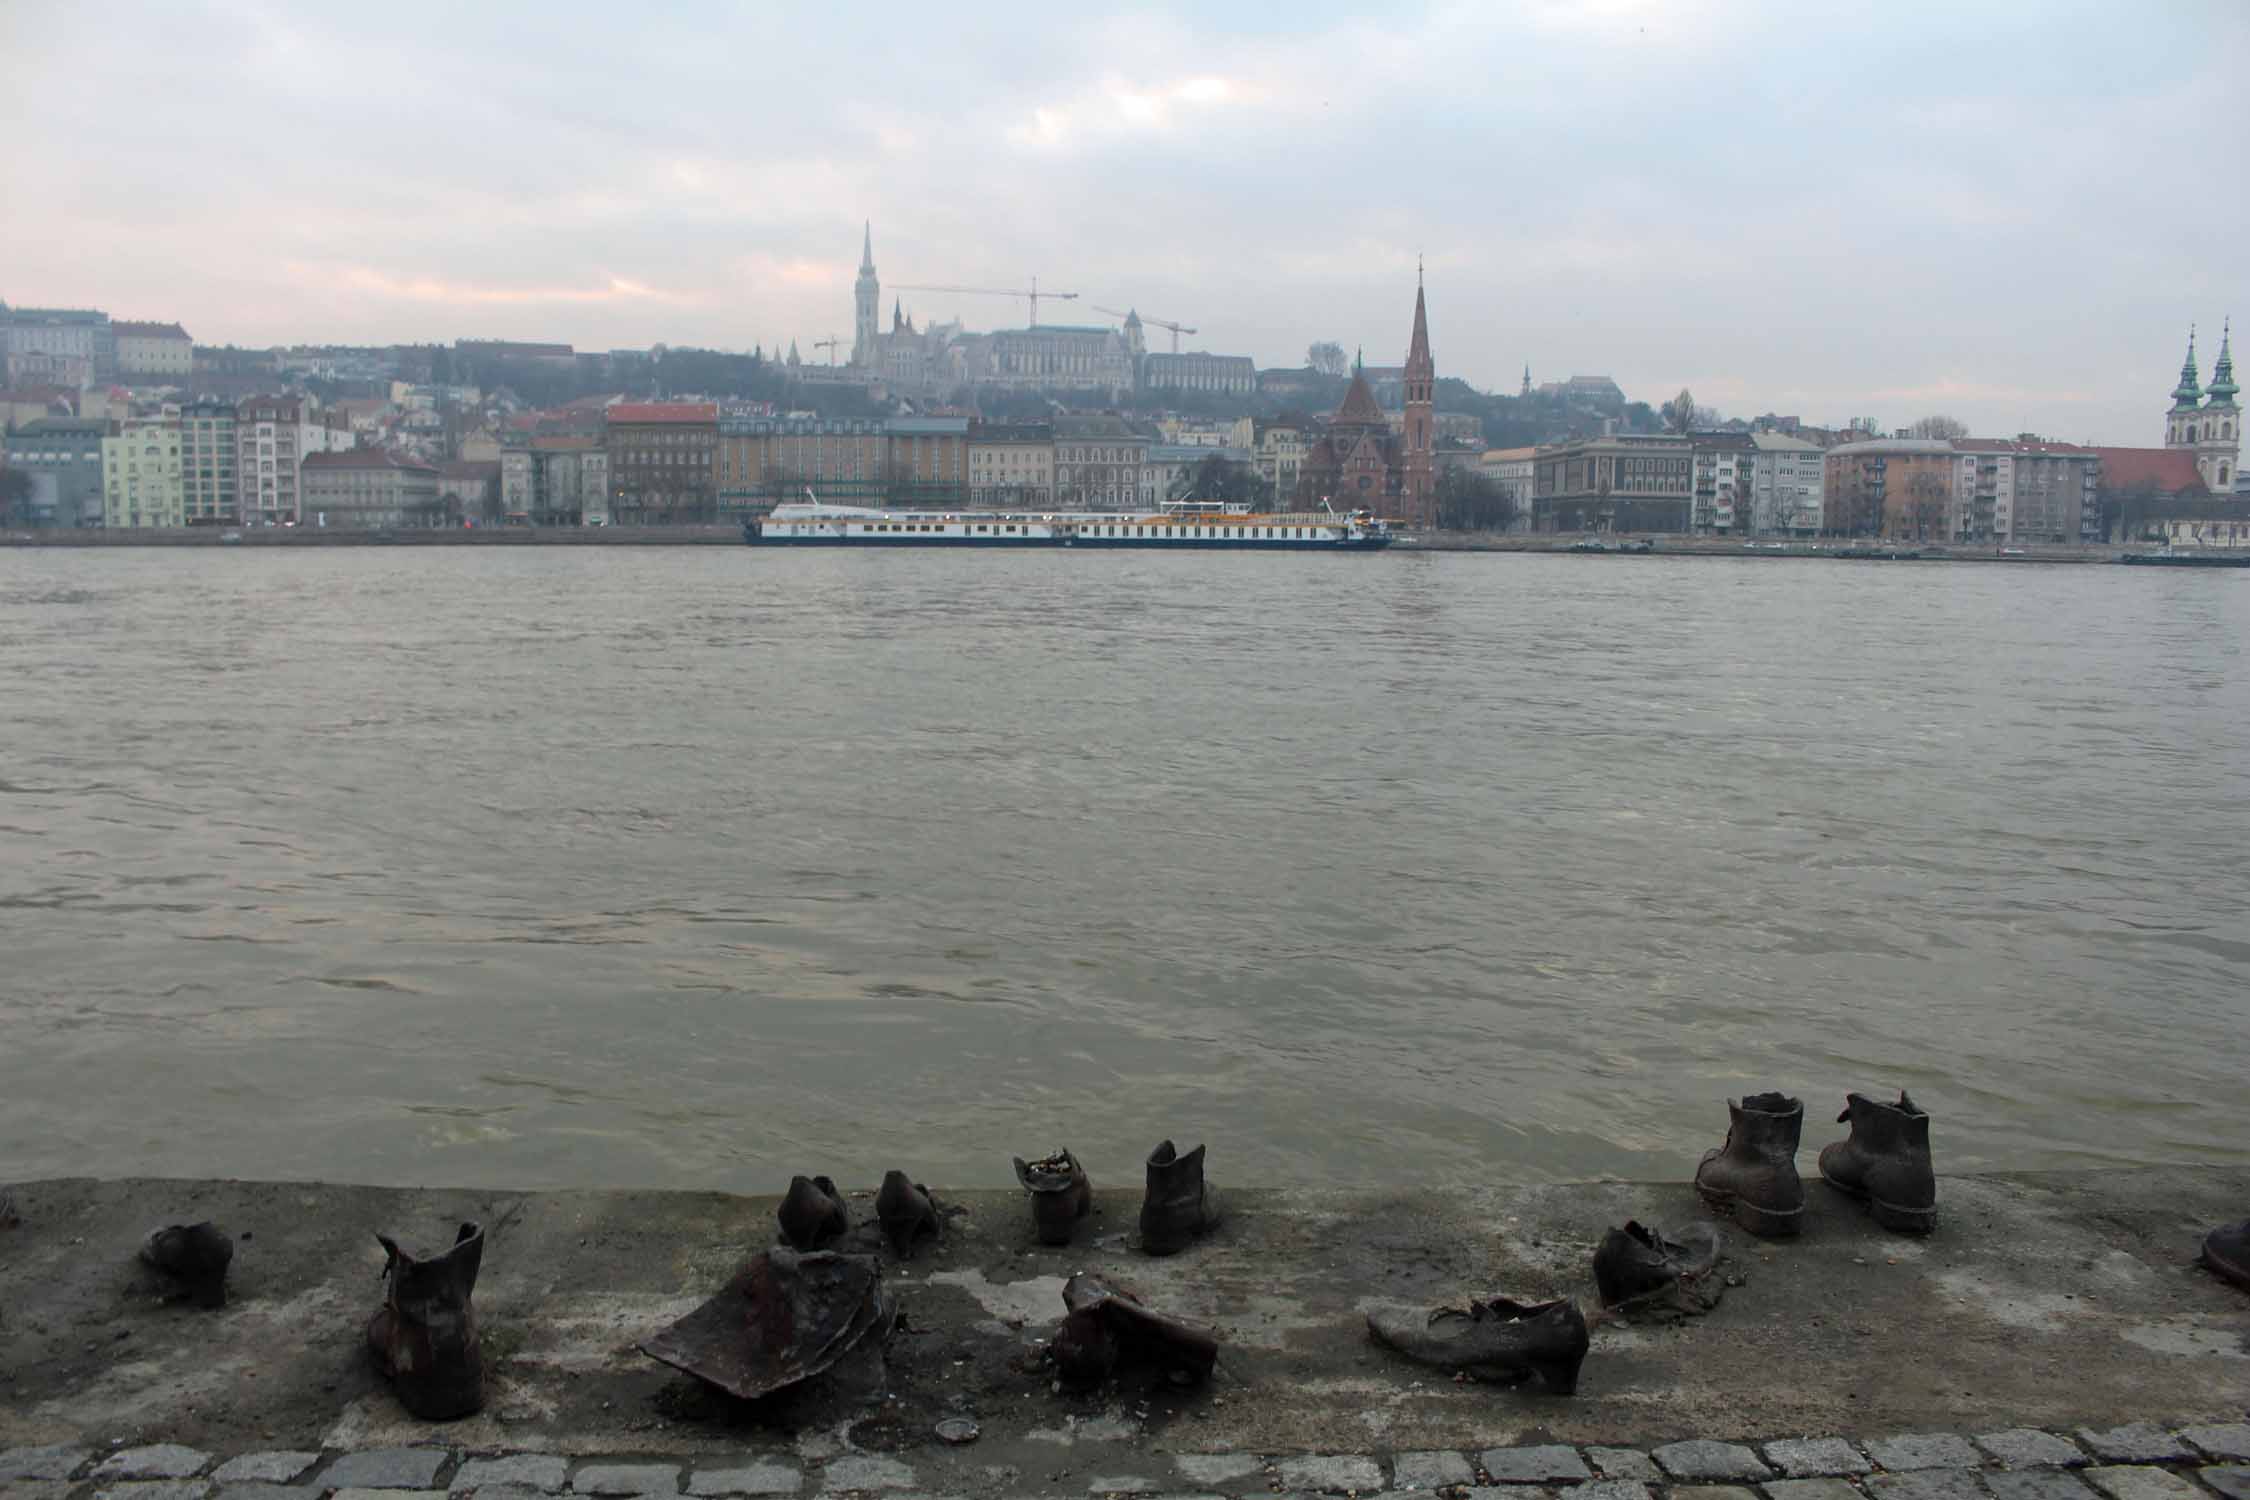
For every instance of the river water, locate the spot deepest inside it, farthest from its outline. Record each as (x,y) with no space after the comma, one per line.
(695,867)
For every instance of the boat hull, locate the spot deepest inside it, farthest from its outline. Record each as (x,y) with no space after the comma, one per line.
(1228,544)
(971,543)
(2182,560)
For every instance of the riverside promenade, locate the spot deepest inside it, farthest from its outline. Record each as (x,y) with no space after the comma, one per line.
(2054,1340)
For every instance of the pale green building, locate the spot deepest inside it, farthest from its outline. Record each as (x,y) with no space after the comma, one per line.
(141,483)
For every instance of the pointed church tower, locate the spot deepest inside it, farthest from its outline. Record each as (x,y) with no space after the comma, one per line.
(1419,491)
(2218,453)
(867,300)
(1527,380)
(2180,427)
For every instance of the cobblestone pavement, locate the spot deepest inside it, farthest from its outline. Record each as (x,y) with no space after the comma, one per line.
(2134,1461)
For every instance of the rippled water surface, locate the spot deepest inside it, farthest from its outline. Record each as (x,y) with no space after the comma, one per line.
(695,867)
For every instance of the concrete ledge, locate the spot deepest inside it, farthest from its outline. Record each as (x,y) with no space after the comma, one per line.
(2056,1302)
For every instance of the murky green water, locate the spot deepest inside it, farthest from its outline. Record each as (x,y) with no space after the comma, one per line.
(698,867)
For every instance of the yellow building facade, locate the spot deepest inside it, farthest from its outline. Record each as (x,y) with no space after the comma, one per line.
(141,481)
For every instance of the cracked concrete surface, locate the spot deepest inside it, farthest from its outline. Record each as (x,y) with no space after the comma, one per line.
(2045,1300)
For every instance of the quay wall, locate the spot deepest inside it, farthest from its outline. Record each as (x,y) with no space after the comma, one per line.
(2043,1300)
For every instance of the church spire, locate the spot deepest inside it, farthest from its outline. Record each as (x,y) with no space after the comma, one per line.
(1418,361)
(2222,373)
(867,246)
(2189,392)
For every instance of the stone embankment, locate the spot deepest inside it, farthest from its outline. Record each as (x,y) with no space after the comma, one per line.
(2054,1340)
(262,537)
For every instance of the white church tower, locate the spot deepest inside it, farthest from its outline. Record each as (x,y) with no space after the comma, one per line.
(867,295)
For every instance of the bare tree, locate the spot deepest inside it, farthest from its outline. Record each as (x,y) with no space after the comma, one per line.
(1926,504)
(1327,357)
(1939,426)
(1745,507)
(1862,504)
(1679,412)
(1470,501)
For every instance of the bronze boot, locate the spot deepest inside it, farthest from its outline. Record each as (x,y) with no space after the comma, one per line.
(425,1337)
(812,1214)
(196,1256)
(1061,1195)
(1179,1206)
(906,1211)
(1754,1175)
(1886,1161)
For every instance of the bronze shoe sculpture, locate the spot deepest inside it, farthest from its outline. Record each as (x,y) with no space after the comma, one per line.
(194,1255)
(783,1318)
(1108,1326)
(1886,1162)
(2226,1252)
(1500,1340)
(1753,1177)
(425,1337)
(1179,1206)
(906,1212)
(1061,1195)
(1637,1265)
(812,1213)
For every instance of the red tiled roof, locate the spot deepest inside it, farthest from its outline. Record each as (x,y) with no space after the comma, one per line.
(687,412)
(150,331)
(2168,471)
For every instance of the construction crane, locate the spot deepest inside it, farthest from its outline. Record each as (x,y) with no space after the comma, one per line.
(1032,292)
(831,344)
(1177,328)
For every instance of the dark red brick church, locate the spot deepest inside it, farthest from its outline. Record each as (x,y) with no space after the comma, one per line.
(1362,463)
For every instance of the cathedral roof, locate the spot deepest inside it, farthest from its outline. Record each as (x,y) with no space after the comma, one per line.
(2222,373)
(1359,405)
(2167,471)
(2188,392)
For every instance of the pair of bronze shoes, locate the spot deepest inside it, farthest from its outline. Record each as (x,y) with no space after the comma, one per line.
(1177,1209)
(813,1215)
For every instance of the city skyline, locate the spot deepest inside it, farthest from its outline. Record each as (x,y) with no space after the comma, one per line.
(1664,193)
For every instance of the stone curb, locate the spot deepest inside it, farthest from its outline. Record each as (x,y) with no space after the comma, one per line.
(2130,1461)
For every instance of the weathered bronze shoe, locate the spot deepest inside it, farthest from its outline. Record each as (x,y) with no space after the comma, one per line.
(812,1213)
(1635,1264)
(783,1318)
(1886,1161)
(1061,1195)
(1108,1326)
(1179,1206)
(194,1255)
(425,1337)
(2226,1252)
(1754,1175)
(905,1210)
(1499,1340)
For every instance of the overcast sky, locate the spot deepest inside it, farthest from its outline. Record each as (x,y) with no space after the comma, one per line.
(2005,211)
